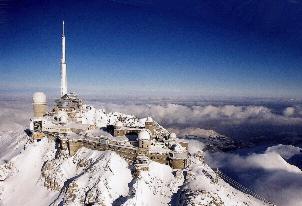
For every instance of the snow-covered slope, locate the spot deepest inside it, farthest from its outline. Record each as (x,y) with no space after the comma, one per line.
(93,177)
(20,176)
(31,175)
(154,187)
(203,187)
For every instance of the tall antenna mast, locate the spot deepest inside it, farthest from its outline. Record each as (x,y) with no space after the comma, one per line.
(63,67)
(63,29)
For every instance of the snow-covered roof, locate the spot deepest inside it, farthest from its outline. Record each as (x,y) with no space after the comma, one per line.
(39,98)
(96,133)
(75,125)
(119,124)
(149,119)
(173,135)
(159,148)
(177,148)
(142,121)
(63,117)
(144,135)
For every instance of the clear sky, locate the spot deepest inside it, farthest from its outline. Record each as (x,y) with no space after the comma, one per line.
(198,47)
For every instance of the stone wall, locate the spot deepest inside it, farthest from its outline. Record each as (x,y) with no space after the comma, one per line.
(129,153)
(178,163)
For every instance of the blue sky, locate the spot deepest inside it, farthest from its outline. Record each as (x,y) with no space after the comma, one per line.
(199,48)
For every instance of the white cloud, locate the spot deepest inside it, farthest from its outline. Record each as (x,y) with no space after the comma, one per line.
(285,151)
(170,114)
(289,111)
(14,115)
(267,174)
(270,161)
(184,119)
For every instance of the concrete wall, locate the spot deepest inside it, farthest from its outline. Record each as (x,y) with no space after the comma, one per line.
(119,132)
(161,158)
(38,135)
(74,146)
(128,153)
(184,144)
(144,144)
(150,126)
(39,110)
(178,163)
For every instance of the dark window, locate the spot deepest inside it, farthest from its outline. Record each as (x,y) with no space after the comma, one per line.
(38,126)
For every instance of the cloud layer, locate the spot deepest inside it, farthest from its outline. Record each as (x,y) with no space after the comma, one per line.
(266,173)
(249,123)
(226,119)
(14,115)
(191,115)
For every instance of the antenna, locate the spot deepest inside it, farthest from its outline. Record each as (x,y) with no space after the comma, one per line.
(63,27)
(63,67)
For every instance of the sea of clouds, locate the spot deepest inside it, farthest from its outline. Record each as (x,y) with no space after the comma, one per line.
(231,120)
(170,114)
(14,114)
(267,173)
(245,122)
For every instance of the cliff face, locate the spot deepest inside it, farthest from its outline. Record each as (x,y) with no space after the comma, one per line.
(34,174)
(88,177)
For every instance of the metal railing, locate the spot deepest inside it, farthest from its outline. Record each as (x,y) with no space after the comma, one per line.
(241,188)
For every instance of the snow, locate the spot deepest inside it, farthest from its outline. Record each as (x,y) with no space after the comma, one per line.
(32,173)
(104,178)
(178,148)
(23,186)
(144,135)
(149,119)
(159,148)
(204,188)
(119,124)
(95,177)
(12,142)
(195,146)
(192,131)
(172,136)
(154,187)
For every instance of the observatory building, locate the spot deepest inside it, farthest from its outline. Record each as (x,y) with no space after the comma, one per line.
(72,124)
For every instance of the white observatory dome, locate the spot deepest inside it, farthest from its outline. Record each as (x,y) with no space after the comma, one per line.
(141,122)
(177,148)
(39,98)
(63,117)
(119,124)
(144,135)
(149,119)
(173,135)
